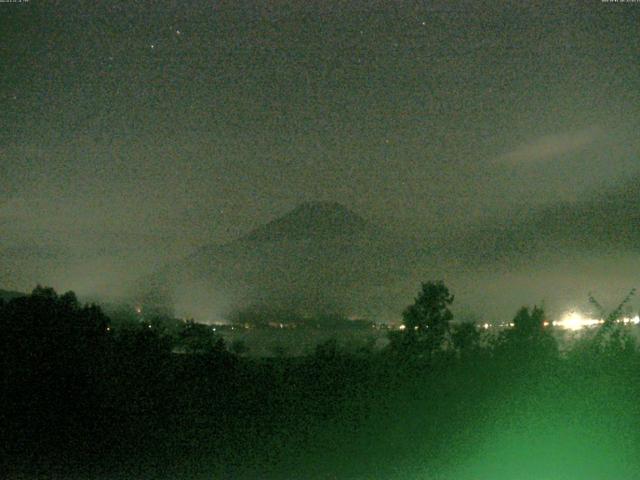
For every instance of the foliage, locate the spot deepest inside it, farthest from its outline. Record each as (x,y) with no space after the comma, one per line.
(81,388)
(529,324)
(426,321)
(466,338)
(430,312)
(529,341)
(45,325)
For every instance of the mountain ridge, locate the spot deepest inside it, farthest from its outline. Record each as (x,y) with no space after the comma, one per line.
(310,219)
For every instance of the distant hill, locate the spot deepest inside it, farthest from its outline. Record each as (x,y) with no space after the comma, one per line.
(320,257)
(606,222)
(7,295)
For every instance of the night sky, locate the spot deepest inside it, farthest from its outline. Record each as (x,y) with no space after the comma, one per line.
(134,132)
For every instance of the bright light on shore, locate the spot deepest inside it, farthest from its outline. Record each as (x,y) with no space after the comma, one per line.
(576,321)
(633,320)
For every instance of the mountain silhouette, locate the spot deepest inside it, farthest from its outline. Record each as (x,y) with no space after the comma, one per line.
(320,257)
(312,220)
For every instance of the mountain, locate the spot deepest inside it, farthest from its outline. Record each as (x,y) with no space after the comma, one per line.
(320,257)
(325,258)
(313,220)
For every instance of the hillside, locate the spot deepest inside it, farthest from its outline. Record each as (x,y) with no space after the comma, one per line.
(606,222)
(7,295)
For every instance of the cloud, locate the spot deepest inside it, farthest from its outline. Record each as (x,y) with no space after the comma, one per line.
(549,147)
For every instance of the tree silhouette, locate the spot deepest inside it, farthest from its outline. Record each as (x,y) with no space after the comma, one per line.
(44,325)
(529,339)
(466,338)
(426,322)
(529,323)
(54,356)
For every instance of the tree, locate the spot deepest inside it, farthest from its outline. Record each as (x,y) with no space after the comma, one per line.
(44,325)
(528,340)
(54,359)
(528,324)
(466,338)
(427,320)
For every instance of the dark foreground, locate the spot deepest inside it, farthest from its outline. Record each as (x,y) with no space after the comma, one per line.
(87,404)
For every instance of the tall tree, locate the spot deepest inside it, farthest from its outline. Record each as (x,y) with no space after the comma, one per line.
(427,320)
(528,340)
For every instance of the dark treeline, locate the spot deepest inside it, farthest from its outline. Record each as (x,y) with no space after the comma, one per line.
(85,395)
